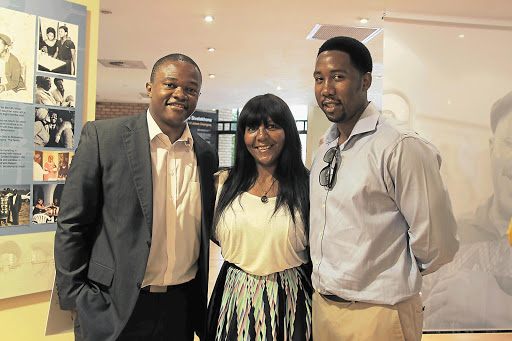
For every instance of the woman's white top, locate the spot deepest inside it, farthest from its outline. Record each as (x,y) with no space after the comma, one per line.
(255,239)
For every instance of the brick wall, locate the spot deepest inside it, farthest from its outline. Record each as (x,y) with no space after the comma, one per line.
(106,110)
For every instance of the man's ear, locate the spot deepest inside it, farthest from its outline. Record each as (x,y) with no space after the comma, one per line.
(149,89)
(366,81)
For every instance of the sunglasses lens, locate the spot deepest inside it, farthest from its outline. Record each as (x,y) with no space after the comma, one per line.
(329,155)
(324,176)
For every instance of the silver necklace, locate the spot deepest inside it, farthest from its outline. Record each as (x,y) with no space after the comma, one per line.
(264,198)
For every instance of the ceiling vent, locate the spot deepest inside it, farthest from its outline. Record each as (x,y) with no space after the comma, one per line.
(122,64)
(324,32)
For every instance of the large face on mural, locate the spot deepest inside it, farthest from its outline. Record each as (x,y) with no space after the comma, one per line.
(501,163)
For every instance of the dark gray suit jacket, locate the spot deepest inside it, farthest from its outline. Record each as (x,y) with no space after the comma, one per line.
(105,221)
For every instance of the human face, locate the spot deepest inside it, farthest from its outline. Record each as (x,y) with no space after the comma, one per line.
(50,35)
(3,48)
(340,90)
(62,34)
(60,86)
(46,83)
(265,143)
(501,163)
(53,118)
(174,93)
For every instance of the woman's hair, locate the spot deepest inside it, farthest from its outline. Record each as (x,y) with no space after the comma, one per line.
(50,30)
(291,173)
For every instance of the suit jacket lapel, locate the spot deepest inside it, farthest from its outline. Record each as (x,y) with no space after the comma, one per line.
(138,154)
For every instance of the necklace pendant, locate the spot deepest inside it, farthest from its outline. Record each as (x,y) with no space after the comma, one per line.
(264,199)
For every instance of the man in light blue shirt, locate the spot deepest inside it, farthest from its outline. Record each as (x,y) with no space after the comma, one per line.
(381,217)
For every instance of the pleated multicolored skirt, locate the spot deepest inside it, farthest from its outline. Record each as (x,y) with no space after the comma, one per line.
(260,308)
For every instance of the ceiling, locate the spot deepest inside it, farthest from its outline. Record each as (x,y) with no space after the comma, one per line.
(259,45)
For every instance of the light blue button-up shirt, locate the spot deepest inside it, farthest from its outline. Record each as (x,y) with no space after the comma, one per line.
(388,219)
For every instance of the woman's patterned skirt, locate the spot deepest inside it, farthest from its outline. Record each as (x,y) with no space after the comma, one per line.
(260,308)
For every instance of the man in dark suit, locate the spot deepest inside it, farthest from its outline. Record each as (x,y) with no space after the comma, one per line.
(132,241)
(15,207)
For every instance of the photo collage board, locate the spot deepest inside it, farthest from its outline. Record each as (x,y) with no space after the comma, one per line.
(42,61)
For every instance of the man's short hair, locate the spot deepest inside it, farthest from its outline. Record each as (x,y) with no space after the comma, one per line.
(173,57)
(65,28)
(500,109)
(360,56)
(57,80)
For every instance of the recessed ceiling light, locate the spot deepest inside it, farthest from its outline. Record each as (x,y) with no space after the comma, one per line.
(211,75)
(211,49)
(278,88)
(363,20)
(461,36)
(208,18)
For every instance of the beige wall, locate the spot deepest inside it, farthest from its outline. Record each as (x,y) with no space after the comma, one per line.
(317,125)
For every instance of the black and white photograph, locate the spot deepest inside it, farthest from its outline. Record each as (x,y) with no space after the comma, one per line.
(55,91)
(14,205)
(46,203)
(54,128)
(17,43)
(57,47)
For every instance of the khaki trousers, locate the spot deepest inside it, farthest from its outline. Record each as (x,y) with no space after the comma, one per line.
(358,321)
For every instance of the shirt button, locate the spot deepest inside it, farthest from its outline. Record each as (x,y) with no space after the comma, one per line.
(172,173)
(323,205)
(139,285)
(316,262)
(320,234)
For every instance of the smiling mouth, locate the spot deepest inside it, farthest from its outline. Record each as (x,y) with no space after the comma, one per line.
(263,148)
(330,105)
(177,105)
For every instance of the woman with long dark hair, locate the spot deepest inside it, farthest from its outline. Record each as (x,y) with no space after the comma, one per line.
(261,224)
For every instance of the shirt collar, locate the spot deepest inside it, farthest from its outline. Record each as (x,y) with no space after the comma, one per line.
(367,122)
(154,130)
